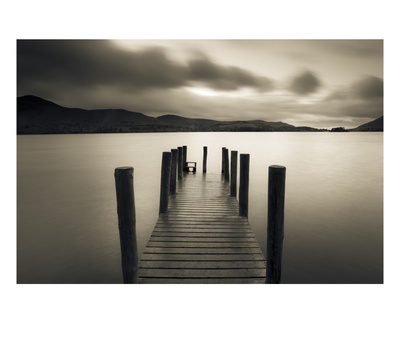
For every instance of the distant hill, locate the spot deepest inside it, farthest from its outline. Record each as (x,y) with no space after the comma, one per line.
(252,125)
(187,124)
(375,125)
(38,116)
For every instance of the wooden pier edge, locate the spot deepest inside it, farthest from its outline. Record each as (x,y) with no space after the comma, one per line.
(226,164)
(165,181)
(180,163)
(275,222)
(223,161)
(174,164)
(244,185)
(184,151)
(204,159)
(234,155)
(127,223)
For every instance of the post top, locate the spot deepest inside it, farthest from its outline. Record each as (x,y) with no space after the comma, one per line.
(277,167)
(121,171)
(123,168)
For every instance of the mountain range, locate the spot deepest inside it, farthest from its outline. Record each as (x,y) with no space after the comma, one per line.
(39,116)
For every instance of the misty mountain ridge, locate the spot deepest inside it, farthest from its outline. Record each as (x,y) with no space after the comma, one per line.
(39,116)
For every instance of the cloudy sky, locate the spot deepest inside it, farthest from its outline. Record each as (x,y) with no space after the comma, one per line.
(318,83)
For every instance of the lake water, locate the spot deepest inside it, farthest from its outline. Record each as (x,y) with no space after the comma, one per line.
(67,227)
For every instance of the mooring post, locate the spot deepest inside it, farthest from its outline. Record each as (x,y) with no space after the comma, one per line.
(233,172)
(204,159)
(244,185)
(165,181)
(184,156)
(226,164)
(127,223)
(223,162)
(276,204)
(174,163)
(180,162)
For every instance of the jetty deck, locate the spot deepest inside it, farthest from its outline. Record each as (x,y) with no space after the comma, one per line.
(201,238)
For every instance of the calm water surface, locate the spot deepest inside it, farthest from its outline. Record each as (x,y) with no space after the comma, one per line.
(67,227)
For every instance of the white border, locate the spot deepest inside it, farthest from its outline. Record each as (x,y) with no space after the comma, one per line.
(100,313)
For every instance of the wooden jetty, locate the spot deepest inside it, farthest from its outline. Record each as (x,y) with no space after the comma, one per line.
(201,238)
(202,234)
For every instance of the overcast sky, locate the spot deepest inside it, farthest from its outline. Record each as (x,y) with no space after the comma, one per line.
(318,83)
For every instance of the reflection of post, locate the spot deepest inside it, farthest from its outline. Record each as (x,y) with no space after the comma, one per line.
(184,157)
(165,181)
(244,185)
(180,162)
(276,204)
(173,171)
(127,223)
(226,164)
(204,159)
(233,172)
(223,162)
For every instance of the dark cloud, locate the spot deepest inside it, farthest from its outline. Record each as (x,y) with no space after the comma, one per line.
(226,78)
(94,63)
(369,87)
(361,99)
(305,83)
(48,67)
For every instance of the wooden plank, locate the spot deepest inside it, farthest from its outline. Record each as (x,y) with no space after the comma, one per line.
(204,239)
(207,245)
(202,281)
(202,273)
(198,226)
(202,264)
(202,231)
(215,223)
(203,257)
(200,234)
(189,242)
(203,219)
(199,211)
(196,216)
(206,251)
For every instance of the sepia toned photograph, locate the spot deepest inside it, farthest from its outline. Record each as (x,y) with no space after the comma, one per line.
(200,161)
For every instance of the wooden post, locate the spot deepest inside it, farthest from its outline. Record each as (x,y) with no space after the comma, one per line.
(223,162)
(127,223)
(244,185)
(234,155)
(165,181)
(184,156)
(180,162)
(174,164)
(204,159)
(226,164)
(276,204)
